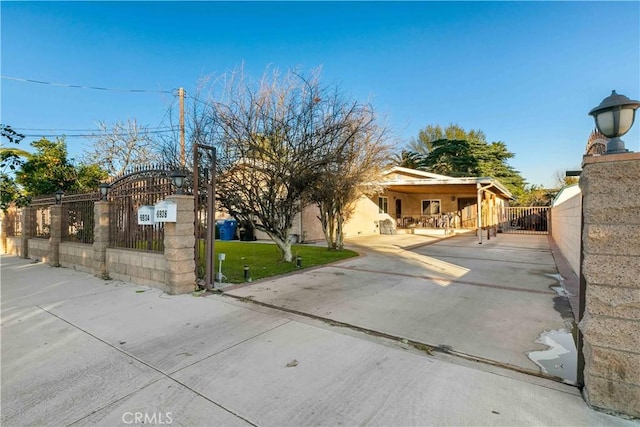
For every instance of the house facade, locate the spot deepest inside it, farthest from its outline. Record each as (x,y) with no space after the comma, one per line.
(413,199)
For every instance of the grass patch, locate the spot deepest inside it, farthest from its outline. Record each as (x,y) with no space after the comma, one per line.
(263,259)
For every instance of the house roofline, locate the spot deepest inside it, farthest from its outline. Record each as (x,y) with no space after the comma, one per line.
(451,181)
(415,172)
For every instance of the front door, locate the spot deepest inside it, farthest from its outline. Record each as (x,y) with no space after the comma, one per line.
(398,208)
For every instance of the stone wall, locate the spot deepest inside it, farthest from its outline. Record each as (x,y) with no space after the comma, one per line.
(143,268)
(39,249)
(172,271)
(566,221)
(610,186)
(76,255)
(13,246)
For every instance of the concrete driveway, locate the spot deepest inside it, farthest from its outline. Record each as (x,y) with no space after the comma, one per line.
(490,300)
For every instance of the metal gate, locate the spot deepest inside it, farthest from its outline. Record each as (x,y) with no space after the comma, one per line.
(204,192)
(525,220)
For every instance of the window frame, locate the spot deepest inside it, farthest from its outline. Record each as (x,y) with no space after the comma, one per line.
(422,206)
(383,205)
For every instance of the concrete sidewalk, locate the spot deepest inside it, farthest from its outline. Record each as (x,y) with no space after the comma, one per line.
(77,350)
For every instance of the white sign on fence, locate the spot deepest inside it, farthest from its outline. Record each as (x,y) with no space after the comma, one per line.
(145,215)
(165,211)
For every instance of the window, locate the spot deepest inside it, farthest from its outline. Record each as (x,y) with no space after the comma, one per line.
(383,205)
(431,207)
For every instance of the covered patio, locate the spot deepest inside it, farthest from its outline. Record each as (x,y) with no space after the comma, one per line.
(425,200)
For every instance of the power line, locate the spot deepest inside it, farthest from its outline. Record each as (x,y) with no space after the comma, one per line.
(167,128)
(53,135)
(87,87)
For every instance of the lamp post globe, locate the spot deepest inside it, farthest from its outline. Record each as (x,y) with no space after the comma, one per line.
(178,180)
(58,196)
(104,190)
(614,117)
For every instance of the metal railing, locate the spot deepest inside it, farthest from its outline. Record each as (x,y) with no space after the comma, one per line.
(446,220)
(78,217)
(141,188)
(42,222)
(524,220)
(12,222)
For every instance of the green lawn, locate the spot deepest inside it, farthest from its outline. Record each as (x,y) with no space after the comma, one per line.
(263,259)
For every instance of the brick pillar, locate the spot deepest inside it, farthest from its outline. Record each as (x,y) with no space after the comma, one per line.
(3,229)
(55,236)
(179,244)
(28,229)
(610,186)
(100,239)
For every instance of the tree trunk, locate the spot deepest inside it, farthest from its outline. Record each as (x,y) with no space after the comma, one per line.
(339,244)
(285,248)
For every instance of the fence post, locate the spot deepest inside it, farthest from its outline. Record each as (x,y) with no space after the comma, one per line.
(179,246)
(100,239)
(55,236)
(610,265)
(28,226)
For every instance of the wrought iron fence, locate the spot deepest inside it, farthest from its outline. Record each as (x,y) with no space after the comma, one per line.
(42,220)
(43,223)
(524,220)
(78,217)
(12,222)
(142,187)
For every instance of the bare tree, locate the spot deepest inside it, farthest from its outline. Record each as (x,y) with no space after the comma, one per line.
(361,152)
(275,138)
(119,147)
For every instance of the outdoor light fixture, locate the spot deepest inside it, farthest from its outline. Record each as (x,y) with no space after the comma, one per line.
(104,190)
(614,117)
(59,195)
(178,180)
(453,198)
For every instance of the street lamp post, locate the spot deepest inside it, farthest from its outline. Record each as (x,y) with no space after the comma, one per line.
(614,117)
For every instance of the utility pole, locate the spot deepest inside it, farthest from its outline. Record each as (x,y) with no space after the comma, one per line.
(182,154)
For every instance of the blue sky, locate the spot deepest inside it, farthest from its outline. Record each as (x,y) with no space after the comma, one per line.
(525,73)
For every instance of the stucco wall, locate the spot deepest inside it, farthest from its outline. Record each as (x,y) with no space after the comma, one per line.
(566,217)
(143,268)
(39,249)
(311,226)
(365,219)
(77,255)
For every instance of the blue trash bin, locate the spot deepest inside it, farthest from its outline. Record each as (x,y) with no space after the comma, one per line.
(228,229)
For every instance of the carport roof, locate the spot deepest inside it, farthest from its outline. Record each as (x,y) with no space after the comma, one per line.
(407,180)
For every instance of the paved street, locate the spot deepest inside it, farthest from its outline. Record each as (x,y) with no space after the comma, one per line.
(77,350)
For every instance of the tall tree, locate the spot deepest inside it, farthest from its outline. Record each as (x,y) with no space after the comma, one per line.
(423,143)
(360,154)
(452,158)
(409,159)
(466,153)
(274,139)
(120,146)
(11,158)
(50,169)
